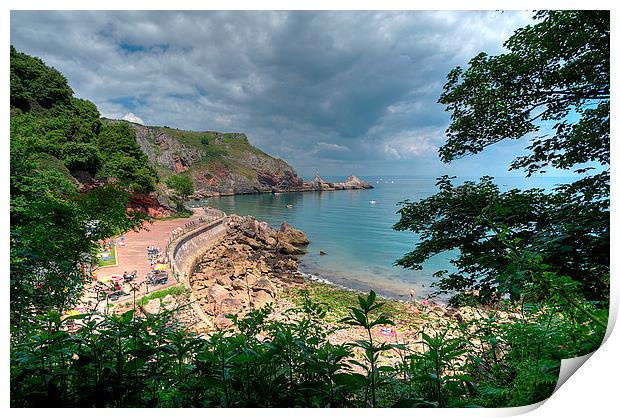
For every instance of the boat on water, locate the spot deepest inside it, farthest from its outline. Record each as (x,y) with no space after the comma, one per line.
(372,202)
(289,206)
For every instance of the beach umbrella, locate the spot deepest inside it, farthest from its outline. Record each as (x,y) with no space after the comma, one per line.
(160,267)
(71,312)
(112,278)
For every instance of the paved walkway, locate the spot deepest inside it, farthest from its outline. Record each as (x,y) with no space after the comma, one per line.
(133,256)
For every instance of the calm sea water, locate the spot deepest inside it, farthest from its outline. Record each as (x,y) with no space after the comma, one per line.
(357,235)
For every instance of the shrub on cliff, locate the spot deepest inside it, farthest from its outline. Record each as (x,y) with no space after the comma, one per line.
(123,158)
(182,185)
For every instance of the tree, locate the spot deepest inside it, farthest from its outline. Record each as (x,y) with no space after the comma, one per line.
(54,227)
(50,233)
(554,71)
(34,83)
(124,159)
(182,185)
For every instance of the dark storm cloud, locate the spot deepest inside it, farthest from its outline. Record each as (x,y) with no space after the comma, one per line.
(333,91)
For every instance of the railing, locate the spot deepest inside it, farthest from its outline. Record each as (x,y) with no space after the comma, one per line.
(211,215)
(184,236)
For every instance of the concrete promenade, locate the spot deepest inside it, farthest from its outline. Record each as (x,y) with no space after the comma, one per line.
(133,255)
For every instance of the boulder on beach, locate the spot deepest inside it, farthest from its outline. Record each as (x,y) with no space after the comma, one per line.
(231,306)
(265,285)
(221,322)
(217,293)
(292,236)
(239,284)
(289,249)
(153,307)
(261,298)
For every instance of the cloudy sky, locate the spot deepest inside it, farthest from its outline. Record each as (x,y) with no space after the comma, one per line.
(339,92)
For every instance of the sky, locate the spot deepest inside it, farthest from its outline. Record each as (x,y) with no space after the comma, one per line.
(334,92)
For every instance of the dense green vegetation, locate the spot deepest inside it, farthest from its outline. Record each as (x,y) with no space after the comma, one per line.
(533,266)
(555,71)
(137,361)
(182,185)
(123,158)
(546,250)
(58,146)
(48,125)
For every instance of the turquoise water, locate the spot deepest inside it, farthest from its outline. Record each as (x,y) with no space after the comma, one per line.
(357,235)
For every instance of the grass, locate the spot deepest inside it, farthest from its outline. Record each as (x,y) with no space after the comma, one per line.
(160,294)
(230,153)
(177,215)
(337,300)
(191,138)
(110,262)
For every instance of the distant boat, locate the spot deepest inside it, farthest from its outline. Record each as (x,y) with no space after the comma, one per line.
(276,193)
(372,202)
(289,206)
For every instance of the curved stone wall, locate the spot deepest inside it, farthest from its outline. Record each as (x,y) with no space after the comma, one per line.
(185,251)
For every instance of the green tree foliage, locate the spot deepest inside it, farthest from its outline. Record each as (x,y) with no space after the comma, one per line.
(54,227)
(554,71)
(33,84)
(123,158)
(182,185)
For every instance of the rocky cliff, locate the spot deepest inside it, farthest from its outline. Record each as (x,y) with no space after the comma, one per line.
(221,164)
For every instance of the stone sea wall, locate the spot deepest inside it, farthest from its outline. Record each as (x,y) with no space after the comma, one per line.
(186,250)
(234,264)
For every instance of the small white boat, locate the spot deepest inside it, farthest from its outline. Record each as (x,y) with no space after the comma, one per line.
(289,206)
(372,202)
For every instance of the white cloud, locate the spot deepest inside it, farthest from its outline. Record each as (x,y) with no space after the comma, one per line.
(297,83)
(130,117)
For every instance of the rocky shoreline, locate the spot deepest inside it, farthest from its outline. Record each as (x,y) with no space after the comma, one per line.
(247,269)
(254,265)
(269,184)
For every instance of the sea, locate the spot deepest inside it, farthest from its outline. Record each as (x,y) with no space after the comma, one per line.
(354,230)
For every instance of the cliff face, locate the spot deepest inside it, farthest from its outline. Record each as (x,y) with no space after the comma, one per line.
(221,164)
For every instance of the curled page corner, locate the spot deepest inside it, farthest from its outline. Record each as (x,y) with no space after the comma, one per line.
(568,366)
(516,410)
